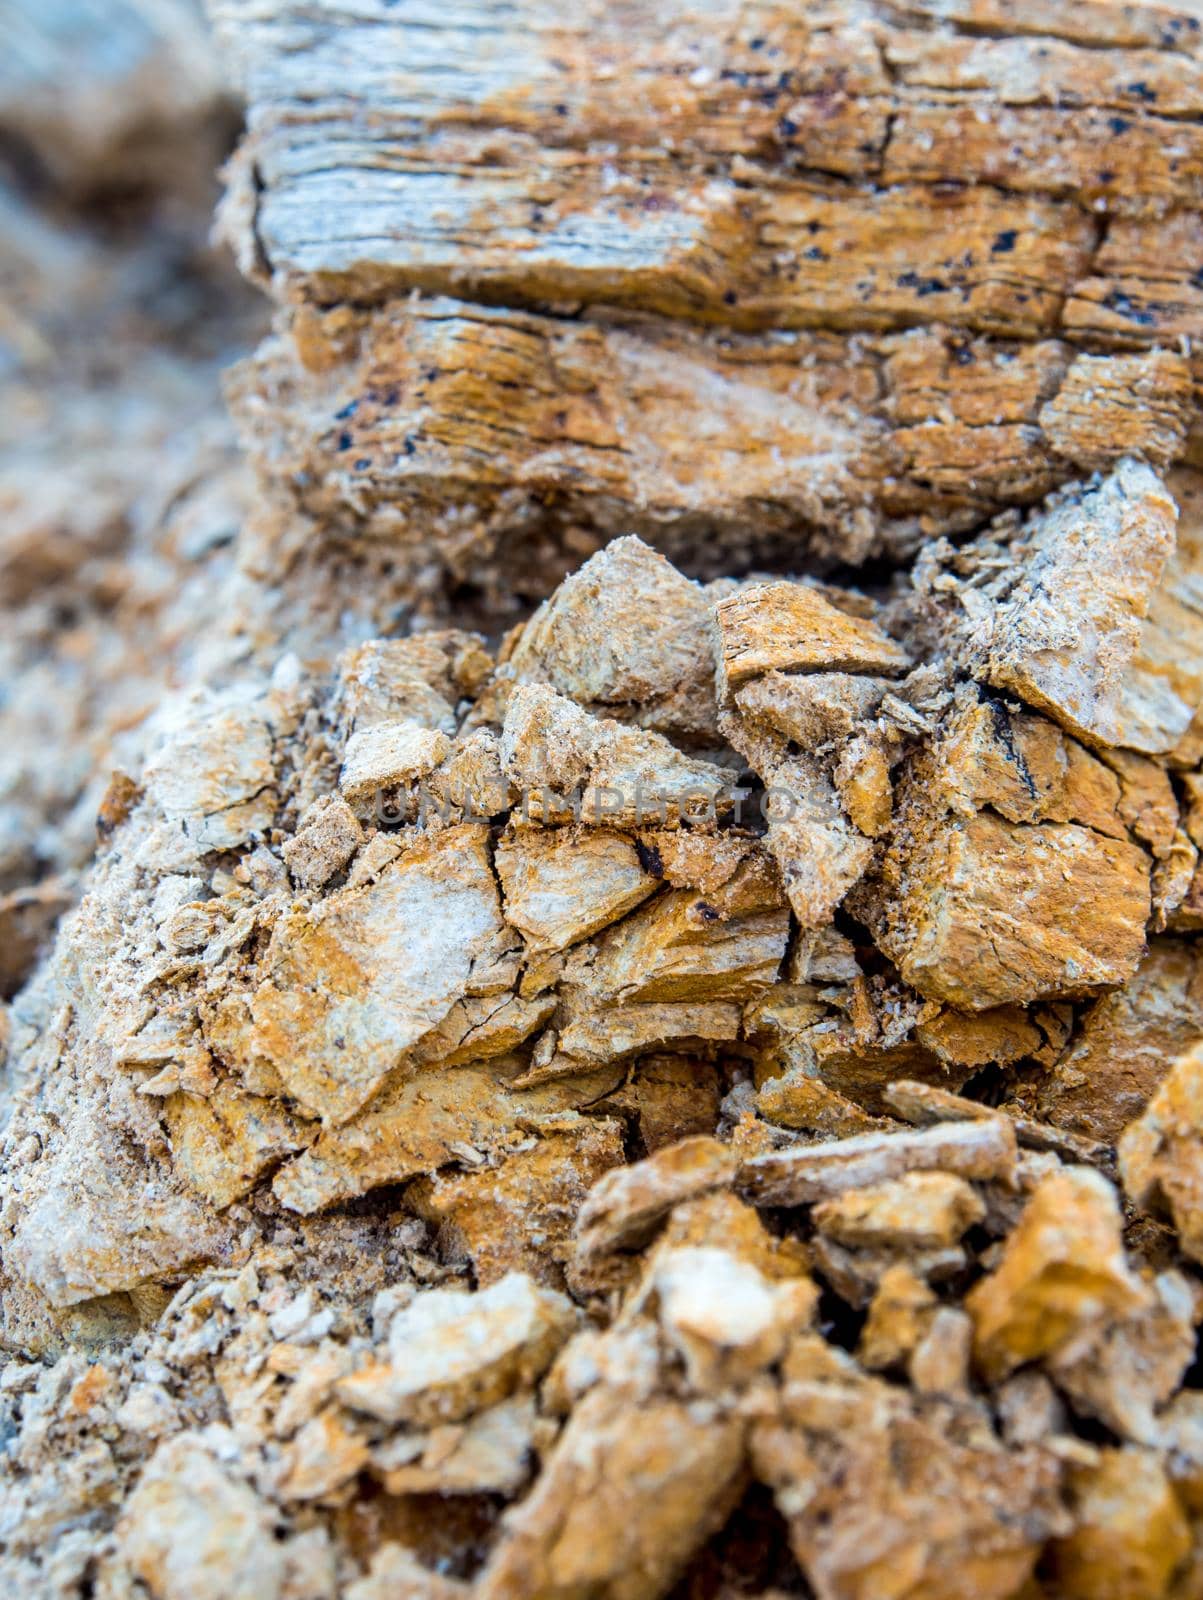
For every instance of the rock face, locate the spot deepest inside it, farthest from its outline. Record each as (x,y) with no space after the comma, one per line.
(631,1025)
(890,271)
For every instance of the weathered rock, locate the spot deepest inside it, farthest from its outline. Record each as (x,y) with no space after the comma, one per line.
(192,1530)
(919,1211)
(993,913)
(454,1354)
(1064,639)
(631,1490)
(1131,1531)
(1161,1152)
(1125,1042)
(803,1175)
(560,886)
(1062,1272)
(626,1206)
(788,627)
(1123,1371)
(333,1018)
(422,989)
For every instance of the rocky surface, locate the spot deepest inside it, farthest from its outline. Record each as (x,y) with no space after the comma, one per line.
(625,1017)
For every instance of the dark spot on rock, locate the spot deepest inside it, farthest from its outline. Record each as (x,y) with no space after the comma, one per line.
(1120,303)
(1004,242)
(650,858)
(922,286)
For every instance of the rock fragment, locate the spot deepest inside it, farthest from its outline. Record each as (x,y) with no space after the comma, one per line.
(1063,641)
(344,1001)
(389,755)
(627,635)
(327,836)
(453,1354)
(788,627)
(1161,1152)
(213,773)
(561,886)
(1131,1530)
(1062,1272)
(805,1174)
(919,1211)
(193,1532)
(624,1208)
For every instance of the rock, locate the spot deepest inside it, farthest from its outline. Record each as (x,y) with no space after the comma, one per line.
(327,836)
(1122,1372)
(520,1214)
(324,1455)
(568,765)
(453,1354)
(919,1211)
(1062,1272)
(1065,638)
(466,1059)
(191,1531)
(630,1491)
(995,914)
(213,774)
(488,1454)
(1125,1042)
(1161,1152)
(788,627)
(624,1208)
(560,886)
(886,1505)
(225,1141)
(726,1320)
(627,635)
(334,1018)
(1131,1532)
(389,755)
(802,1175)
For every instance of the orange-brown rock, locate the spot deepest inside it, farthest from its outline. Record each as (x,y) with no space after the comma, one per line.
(1062,1271)
(574,1076)
(1161,1152)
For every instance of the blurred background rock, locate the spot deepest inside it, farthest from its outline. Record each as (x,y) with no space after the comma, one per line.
(120,485)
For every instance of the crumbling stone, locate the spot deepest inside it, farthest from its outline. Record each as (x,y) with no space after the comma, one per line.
(608,1004)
